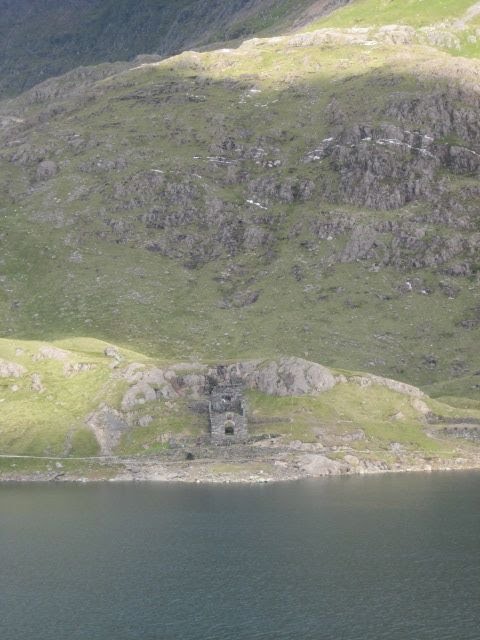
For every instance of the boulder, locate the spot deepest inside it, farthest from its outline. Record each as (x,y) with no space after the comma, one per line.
(112,352)
(290,377)
(11,369)
(140,393)
(144,421)
(37,385)
(46,169)
(319,465)
(51,353)
(72,368)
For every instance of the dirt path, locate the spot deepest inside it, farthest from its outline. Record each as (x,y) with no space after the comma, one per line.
(472,13)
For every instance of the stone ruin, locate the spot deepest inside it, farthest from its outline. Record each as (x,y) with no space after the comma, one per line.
(228,415)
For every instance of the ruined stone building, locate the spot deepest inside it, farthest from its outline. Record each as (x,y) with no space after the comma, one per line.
(228,416)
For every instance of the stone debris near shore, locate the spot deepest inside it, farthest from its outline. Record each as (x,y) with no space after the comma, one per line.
(233,469)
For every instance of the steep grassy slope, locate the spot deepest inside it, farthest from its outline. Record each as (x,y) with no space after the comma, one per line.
(43,39)
(308,195)
(417,13)
(449,24)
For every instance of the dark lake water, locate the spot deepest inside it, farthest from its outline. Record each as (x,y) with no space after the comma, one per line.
(390,557)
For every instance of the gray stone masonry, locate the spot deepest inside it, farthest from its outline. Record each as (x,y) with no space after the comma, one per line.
(228,415)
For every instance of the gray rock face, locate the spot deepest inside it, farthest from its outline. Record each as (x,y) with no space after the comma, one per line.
(287,191)
(138,394)
(178,214)
(404,243)
(108,426)
(452,112)
(319,465)
(380,167)
(162,384)
(390,165)
(287,376)
(282,377)
(11,369)
(290,377)
(46,169)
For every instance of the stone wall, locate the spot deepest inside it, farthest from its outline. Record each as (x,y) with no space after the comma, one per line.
(228,419)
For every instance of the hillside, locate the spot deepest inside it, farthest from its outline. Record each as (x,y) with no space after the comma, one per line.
(415,13)
(86,409)
(43,39)
(309,195)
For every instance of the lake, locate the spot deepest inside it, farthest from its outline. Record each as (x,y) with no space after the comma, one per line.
(368,558)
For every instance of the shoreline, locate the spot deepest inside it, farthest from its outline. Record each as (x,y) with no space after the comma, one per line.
(220,471)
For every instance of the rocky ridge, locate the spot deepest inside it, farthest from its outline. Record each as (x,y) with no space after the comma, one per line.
(67,34)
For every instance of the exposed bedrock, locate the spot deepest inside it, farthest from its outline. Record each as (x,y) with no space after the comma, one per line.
(286,376)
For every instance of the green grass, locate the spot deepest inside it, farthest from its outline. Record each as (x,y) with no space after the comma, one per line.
(54,422)
(462,403)
(384,416)
(442,24)
(73,468)
(417,13)
(169,421)
(51,422)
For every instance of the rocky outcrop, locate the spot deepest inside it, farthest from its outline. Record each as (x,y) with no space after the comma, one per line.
(46,169)
(11,369)
(286,377)
(149,385)
(282,377)
(406,243)
(37,385)
(316,465)
(393,385)
(448,112)
(72,368)
(387,167)
(108,425)
(288,191)
(240,299)
(52,353)
(112,352)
